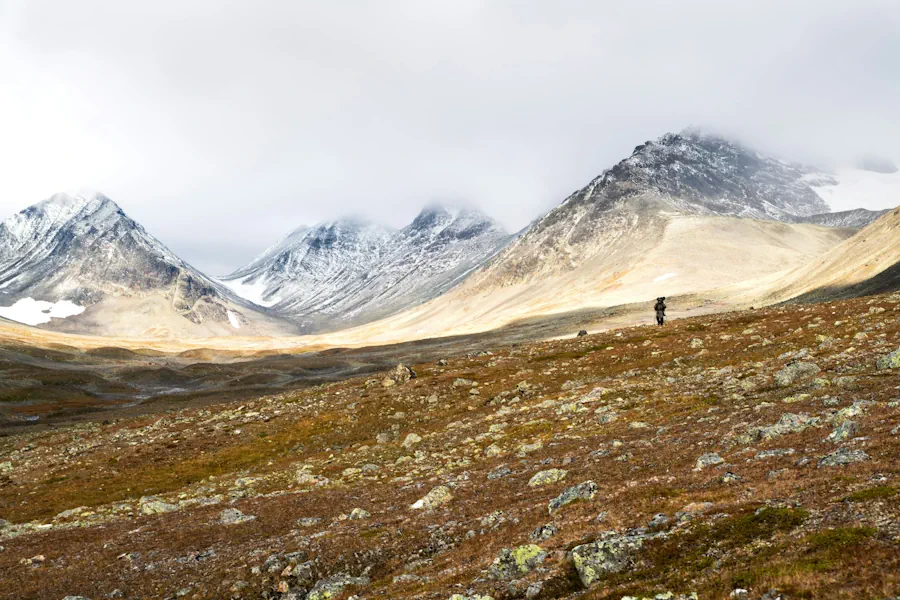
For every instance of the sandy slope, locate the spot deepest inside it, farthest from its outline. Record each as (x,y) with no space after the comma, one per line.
(686,255)
(859,258)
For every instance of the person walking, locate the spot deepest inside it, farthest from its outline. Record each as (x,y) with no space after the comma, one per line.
(660,309)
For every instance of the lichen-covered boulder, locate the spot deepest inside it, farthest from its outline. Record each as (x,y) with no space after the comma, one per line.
(150,505)
(844,456)
(708,460)
(613,553)
(890,361)
(333,586)
(796,372)
(547,477)
(516,562)
(843,432)
(582,492)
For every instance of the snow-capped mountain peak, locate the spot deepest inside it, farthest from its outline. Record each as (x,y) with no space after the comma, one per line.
(83,250)
(352,270)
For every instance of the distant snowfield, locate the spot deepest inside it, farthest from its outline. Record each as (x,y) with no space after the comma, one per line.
(664,277)
(36,312)
(232,318)
(861,189)
(250,291)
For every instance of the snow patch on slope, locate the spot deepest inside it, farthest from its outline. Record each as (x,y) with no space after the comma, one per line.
(36,312)
(857,188)
(254,291)
(664,277)
(232,318)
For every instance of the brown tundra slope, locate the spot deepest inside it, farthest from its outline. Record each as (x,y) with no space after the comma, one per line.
(724,455)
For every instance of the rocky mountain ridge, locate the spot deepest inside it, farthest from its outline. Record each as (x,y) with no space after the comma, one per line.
(352,271)
(84,251)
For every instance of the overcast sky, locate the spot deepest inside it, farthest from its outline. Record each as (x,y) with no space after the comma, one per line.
(221,125)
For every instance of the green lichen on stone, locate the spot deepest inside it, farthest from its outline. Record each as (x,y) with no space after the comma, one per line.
(516,562)
(547,477)
(890,361)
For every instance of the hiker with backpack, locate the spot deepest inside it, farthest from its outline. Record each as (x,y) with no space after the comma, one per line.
(660,309)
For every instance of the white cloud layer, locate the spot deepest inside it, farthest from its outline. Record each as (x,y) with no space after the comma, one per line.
(220,125)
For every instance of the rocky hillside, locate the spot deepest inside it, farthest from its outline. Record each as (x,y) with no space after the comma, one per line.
(81,259)
(746,455)
(857,218)
(352,271)
(690,173)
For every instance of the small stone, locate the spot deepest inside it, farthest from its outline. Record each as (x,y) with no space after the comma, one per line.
(493,450)
(547,477)
(411,441)
(708,460)
(844,456)
(543,532)
(333,586)
(359,513)
(584,491)
(658,520)
(890,361)
(843,432)
(796,372)
(153,506)
(433,499)
(232,516)
(730,477)
(582,333)
(500,472)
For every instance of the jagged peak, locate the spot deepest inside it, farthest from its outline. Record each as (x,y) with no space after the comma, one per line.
(349,223)
(75,201)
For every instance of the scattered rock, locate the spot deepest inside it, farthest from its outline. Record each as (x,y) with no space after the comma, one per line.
(534,590)
(516,562)
(359,513)
(331,587)
(795,372)
(584,491)
(500,472)
(843,432)
(232,516)
(658,520)
(543,532)
(150,505)
(730,477)
(547,477)
(788,423)
(844,456)
(612,554)
(582,333)
(708,460)
(412,440)
(774,453)
(436,497)
(890,361)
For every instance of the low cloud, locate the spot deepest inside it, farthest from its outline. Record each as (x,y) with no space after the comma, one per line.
(222,125)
